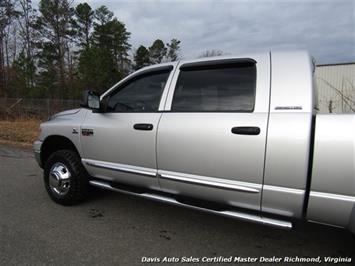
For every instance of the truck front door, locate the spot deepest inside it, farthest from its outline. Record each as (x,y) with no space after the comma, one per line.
(119,144)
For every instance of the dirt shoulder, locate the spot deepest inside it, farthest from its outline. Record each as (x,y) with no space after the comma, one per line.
(20,133)
(14,144)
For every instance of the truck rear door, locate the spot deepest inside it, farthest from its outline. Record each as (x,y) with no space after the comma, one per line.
(212,134)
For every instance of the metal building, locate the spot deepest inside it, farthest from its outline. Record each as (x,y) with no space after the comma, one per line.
(336,88)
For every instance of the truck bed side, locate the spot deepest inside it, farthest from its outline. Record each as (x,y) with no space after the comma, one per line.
(332,195)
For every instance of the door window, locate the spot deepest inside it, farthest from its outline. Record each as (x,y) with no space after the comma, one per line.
(141,94)
(215,89)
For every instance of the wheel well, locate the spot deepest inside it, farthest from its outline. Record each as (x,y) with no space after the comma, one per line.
(55,143)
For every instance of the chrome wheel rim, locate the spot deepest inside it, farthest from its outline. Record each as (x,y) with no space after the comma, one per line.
(59,179)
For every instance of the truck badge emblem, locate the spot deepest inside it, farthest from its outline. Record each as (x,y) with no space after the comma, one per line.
(288,108)
(87,132)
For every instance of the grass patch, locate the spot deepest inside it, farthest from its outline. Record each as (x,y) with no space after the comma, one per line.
(19,131)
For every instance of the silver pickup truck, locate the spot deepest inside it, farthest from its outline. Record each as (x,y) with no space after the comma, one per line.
(234,136)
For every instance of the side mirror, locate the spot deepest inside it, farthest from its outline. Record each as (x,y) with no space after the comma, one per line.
(90,100)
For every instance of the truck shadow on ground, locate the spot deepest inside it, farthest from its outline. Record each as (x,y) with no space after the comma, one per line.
(187,229)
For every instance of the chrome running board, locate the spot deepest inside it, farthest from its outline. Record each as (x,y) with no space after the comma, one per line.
(233,214)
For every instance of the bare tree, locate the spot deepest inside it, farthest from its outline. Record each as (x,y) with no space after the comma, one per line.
(330,106)
(7,14)
(28,36)
(347,100)
(26,22)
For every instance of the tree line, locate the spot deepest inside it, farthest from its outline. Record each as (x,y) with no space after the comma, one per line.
(60,49)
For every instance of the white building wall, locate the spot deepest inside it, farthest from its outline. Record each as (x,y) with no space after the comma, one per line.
(336,88)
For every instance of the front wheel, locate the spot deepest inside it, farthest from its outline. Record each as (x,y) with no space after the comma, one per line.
(65,178)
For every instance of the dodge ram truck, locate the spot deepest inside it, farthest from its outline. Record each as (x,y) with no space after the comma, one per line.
(237,136)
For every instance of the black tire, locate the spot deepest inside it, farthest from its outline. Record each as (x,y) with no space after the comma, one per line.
(79,178)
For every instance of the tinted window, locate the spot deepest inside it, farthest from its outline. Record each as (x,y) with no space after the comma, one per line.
(141,94)
(226,88)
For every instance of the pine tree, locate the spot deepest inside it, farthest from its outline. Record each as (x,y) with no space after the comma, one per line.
(106,59)
(55,27)
(157,52)
(84,17)
(173,50)
(141,57)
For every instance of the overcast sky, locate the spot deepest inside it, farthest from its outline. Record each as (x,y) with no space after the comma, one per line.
(325,27)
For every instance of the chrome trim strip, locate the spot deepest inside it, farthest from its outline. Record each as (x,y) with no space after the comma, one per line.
(283,189)
(332,196)
(258,219)
(211,182)
(232,214)
(316,222)
(121,167)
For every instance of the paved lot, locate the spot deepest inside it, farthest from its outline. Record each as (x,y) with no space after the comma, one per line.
(112,228)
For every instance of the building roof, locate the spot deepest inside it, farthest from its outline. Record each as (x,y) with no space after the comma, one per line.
(336,64)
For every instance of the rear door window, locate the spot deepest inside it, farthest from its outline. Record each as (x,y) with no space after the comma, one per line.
(219,88)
